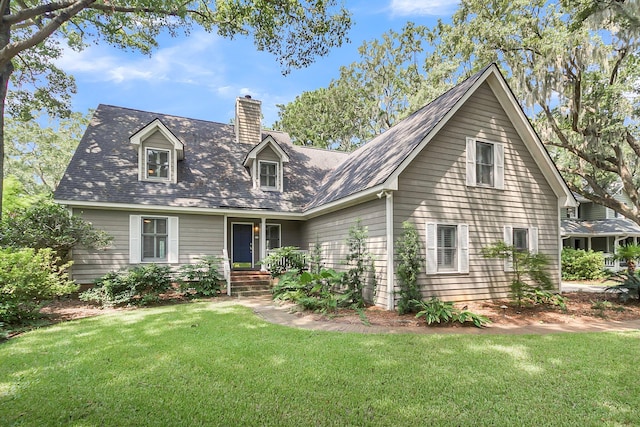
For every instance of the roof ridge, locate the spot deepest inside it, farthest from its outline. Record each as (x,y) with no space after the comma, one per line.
(162,114)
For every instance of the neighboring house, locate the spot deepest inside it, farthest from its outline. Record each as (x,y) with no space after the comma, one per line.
(591,226)
(468,170)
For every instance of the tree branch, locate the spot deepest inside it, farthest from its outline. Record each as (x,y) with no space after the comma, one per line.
(30,13)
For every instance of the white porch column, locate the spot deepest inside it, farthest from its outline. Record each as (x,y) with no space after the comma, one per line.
(589,243)
(263,242)
(390,252)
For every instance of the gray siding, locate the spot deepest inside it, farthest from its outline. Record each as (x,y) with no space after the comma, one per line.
(199,235)
(268,154)
(433,189)
(332,230)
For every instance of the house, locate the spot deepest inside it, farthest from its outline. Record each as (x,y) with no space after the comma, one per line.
(467,169)
(591,226)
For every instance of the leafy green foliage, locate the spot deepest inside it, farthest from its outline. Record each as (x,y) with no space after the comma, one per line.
(27,279)
(530,272)
(49,225)
(410,261)
(628,285)
(436,311)
(630,253)
(14,195)
(37,155)
(578,264)
(313,291)
(140,285)
(284,259)
(202,278)
(360,263)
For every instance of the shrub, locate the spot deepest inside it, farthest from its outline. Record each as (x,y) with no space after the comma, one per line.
(526,265)
(313,291)
(409,266)
(628,285)
(578,264)
(284,259)
(436,311)
(28,278)
(140,285)
(203,277)
(360,262)
(49,225)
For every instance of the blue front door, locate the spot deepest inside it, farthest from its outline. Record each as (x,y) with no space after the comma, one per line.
(242,254)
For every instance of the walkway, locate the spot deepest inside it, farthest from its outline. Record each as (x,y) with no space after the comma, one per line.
(282,315)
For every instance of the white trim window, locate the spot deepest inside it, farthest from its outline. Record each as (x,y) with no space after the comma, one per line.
(157,164)
(268,175)
(273,234)
(447,248)
(153,239)
(485,164)
(523,239)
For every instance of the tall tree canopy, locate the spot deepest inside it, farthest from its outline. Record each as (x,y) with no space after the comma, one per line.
(575,66)
(33,33)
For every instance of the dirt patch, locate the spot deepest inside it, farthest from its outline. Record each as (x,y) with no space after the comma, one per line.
(582,308)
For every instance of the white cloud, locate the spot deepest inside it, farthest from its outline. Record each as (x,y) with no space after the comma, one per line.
(189,62)
(423,7)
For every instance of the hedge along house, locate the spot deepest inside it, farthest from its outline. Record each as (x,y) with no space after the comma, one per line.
(467,170)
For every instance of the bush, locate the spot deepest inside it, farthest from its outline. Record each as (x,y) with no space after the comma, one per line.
(436,311)
(137,286)
(28,278)
(203,277)
(313,291)
(578,264)
(409,266)
(49,225)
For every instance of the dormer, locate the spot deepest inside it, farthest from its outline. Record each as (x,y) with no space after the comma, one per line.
(159,151)
(266,162)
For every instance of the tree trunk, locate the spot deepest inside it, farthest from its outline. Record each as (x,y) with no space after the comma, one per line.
(6,68)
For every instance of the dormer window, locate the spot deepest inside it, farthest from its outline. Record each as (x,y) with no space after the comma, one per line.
(158,164)
(159,152)
(266,163)
(268,175)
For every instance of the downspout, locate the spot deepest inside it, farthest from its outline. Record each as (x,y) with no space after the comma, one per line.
(559,210)
(390,252)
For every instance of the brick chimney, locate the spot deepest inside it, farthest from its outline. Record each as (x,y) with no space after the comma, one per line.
(248,120)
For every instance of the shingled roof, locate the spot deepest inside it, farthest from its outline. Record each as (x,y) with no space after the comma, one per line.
(373,163)
(104,168)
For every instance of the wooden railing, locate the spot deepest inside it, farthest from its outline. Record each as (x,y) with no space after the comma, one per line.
(303,258)
(226,269)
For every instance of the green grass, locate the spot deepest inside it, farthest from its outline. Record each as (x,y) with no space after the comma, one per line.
(202,364)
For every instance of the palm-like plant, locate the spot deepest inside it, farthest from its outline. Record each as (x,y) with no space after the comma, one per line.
(630,253)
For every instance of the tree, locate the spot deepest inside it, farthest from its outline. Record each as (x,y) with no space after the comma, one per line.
(37,156)
(14,195)
(369,97)
(410,261)
(575,64)
(48,225)
(32,34)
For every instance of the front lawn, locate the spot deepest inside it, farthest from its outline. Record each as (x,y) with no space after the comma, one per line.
(208,364)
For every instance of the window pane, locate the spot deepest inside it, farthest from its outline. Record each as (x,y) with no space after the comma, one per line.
(268,174)
(484,163)
(161,245)
(520,239)
(447,247)
(157,163)
(161,226)
(148,247)
(273,236)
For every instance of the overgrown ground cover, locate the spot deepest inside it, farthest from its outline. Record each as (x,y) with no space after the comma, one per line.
(211,364)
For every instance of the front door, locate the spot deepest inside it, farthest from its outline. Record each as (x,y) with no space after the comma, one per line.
(242,245)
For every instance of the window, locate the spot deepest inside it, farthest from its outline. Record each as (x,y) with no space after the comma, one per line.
(273,236)
(268,175)
(485,164)
(154,239)
(157,164)
(447,248)
(521,239)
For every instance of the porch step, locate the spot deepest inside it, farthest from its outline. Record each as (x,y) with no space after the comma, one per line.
(250,283)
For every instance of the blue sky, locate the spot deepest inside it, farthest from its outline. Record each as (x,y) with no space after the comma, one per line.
(200,75)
